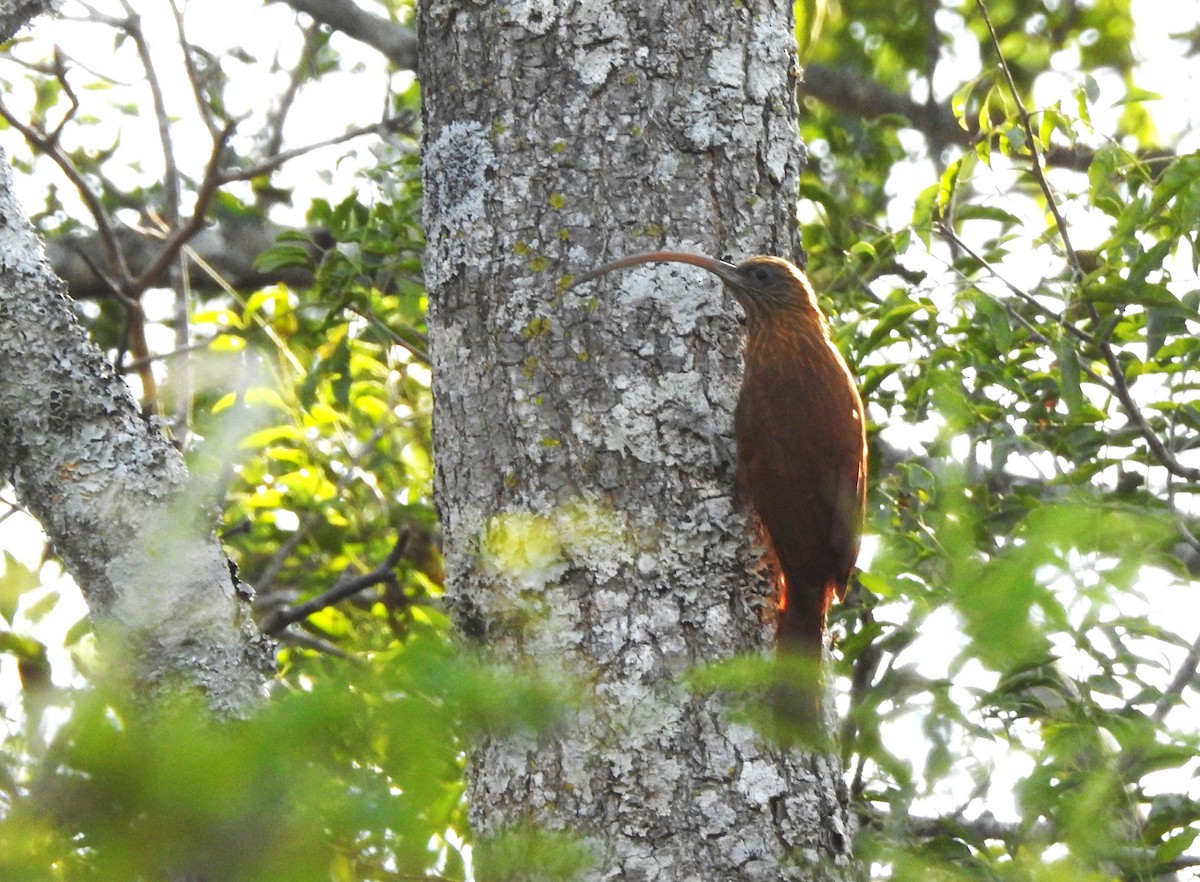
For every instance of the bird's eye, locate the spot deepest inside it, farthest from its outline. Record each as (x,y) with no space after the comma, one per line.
(761,274)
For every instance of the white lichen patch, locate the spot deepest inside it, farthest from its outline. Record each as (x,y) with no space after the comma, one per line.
(602,37)
(759,781)
(699,122)
(726,67)
(456,165)
(635,423)
(772,53)
(536,16)
(629,431)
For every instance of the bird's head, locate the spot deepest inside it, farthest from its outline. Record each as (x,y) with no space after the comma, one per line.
(762,285)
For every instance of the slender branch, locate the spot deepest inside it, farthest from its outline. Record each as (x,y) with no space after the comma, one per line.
(180,411)
(1184,676)
(345,588)
(153,357)
(945,231)
(104,227)
(1120,383)
(133,27)
(1035,159)
(1164,456)
(401,123)
(397,42)
(193,75)
(393,329)
(310,641)
(213,180)
(313,38)
(60,73)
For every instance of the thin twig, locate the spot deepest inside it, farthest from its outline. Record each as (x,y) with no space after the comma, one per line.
(1185,675)
(112,248)
(1035,159)
(400,123)
(151,358)
(294,637)
(345,588)
(1120,383)
(945,231)
(181,385)
(181,235)
(1164,456)
(193,75)
(313,36)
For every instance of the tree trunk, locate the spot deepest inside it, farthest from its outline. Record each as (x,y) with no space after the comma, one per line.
(113,494)
(583,437)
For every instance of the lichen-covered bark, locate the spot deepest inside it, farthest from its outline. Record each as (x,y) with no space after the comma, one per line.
(583,437)
(15,14)
(112,493)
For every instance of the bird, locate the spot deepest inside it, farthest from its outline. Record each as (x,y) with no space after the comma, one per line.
(800,437)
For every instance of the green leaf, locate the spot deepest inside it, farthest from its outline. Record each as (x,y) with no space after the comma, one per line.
(1069,373)
(15,581)
(280,256)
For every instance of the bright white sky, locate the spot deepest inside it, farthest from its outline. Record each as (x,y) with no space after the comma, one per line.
(353,98)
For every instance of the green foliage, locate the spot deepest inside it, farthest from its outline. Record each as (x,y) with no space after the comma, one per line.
(355,777)
(340,468)
(1024,391)
(1014,695)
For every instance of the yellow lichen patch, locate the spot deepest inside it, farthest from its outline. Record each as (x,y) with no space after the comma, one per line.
(530,550)
(523,547)
(537,327)
(557,201)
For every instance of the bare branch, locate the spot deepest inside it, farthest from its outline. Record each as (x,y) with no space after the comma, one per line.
(1185,675)
(213,179)
(193,74)
(276,119)
(345,588)
(113,254)
(396,42)
(853,93)
(1035,157)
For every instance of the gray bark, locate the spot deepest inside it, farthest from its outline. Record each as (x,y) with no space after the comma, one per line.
(582,438)
(112,493)
(15,14)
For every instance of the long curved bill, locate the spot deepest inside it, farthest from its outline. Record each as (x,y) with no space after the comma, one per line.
(726,272)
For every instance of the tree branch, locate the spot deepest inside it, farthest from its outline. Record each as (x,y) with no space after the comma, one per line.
(345,588)
(396,42)
(854,94)
(15,14)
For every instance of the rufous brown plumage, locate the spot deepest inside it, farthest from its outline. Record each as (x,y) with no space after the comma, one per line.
(801,437)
